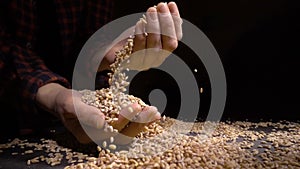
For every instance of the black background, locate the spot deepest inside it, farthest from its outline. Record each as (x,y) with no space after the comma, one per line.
(258,43)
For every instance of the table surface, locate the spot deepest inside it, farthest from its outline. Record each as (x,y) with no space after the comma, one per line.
(57,133)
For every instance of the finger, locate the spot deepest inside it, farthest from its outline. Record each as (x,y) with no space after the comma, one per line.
(126,115)
(90,115)
(139,37)
(153,29)
(154,44)
(83,128)
(143,119)
(147,115)
(137,57)
(169,38)
(71,122)
(176,19)
(98,135)
(76,129)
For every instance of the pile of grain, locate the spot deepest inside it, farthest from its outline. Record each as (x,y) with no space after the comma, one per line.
(231,145)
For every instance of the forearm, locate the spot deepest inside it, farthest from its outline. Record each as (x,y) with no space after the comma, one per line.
(32,71)
(39,86)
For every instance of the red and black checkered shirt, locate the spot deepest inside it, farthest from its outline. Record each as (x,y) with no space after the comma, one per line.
(20,27)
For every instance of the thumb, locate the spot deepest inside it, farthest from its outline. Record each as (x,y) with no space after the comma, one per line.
(90,115)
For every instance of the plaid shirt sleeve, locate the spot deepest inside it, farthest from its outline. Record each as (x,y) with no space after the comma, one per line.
(16,44)
(18,37)
(18,57)
(33,72)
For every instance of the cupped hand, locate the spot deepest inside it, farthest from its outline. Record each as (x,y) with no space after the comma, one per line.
(156,36)
(87,123)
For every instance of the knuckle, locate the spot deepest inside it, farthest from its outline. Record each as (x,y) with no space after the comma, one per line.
(140,37)
(154,40)
(171,44)
(156,45)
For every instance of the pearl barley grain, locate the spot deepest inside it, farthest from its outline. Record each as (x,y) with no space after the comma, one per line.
(130,109)
(111,139)
(112,146)
(104,144)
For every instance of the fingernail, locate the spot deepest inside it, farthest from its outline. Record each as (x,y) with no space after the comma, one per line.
(163,8)
(152,15)
(172,3)
(157,115)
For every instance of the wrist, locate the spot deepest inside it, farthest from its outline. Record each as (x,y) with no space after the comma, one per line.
(47,94)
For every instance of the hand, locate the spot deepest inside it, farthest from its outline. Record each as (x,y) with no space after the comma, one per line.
(155,40)
(79,117)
